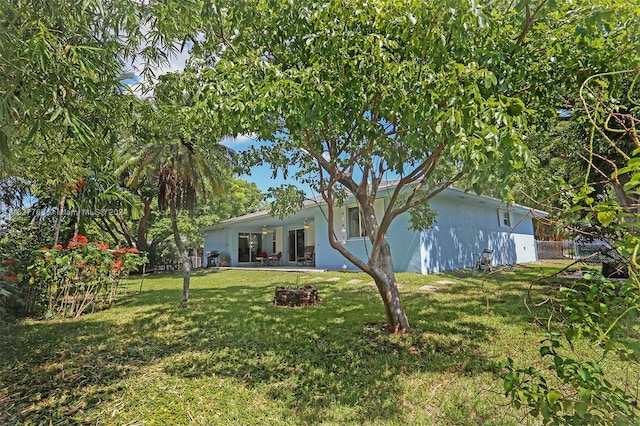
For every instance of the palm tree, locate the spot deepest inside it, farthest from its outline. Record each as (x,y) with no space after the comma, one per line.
(185,164)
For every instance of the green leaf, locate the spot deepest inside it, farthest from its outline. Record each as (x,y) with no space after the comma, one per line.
(581,408)
(546,350)
(544,409)
(604,308)
(508,386)
(554,396)
(584,374)
(584,394)
(55,114)
(606,217)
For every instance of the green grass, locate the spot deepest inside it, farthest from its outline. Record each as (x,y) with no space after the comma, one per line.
(231,358)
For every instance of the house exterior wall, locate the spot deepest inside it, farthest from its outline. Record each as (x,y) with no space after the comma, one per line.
(217,240)
(465,225)
(464,228)
(405,245)
(225,239)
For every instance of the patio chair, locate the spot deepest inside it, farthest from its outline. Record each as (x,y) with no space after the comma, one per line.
(261,258)
(275,258)
(485,260)
(308,258)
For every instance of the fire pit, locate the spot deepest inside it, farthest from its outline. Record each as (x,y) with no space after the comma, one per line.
(306,295)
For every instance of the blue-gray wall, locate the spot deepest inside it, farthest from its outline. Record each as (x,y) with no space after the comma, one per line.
(405,247)
(465,227)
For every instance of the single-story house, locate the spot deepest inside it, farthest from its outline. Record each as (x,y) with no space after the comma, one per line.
(465,225)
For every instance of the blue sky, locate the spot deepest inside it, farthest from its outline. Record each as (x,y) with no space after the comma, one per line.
(261,175)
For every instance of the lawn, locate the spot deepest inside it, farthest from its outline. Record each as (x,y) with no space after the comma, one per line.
(231,358)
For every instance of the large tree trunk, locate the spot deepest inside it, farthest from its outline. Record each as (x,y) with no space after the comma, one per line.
(184,257)
(141,231)
(385,279)
(379,267)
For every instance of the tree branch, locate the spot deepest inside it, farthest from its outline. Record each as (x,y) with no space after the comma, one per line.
(107,226)
(528,23)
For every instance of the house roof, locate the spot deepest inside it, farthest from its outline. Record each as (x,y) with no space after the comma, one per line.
(307,204)
(318,201)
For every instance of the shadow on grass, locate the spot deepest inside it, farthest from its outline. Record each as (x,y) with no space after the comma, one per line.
(509,286)
(310,358)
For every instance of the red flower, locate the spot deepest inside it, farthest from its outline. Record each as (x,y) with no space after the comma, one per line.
(12,277)
(58,246)
(78,241)
(9,262)
(117,266)
(102,246)
(80,264)
(128,250)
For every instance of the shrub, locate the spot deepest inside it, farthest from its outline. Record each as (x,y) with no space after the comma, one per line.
(10,277)
(82,276)
(17,296)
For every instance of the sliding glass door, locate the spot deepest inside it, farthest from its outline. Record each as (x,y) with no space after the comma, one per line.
(249,245)
(296,244)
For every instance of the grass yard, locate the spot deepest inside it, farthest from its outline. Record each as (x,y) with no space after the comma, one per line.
(231,358)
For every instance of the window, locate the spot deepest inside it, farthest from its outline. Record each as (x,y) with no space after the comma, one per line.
(354,224)
(504,217)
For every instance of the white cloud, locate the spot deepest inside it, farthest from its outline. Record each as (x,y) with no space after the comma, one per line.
(175,60)
(241,142)
(240,139)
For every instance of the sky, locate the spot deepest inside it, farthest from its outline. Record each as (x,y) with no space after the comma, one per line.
(260,175)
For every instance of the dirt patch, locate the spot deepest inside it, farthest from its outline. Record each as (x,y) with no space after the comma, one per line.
(578,273)
(429,288)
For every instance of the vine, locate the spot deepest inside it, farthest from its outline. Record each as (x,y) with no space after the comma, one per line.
(601,311)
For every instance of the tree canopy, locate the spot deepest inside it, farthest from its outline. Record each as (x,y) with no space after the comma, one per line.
(428,93)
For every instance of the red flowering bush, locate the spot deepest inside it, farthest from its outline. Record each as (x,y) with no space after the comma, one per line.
(78,241)
(102,246)
(83,276)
